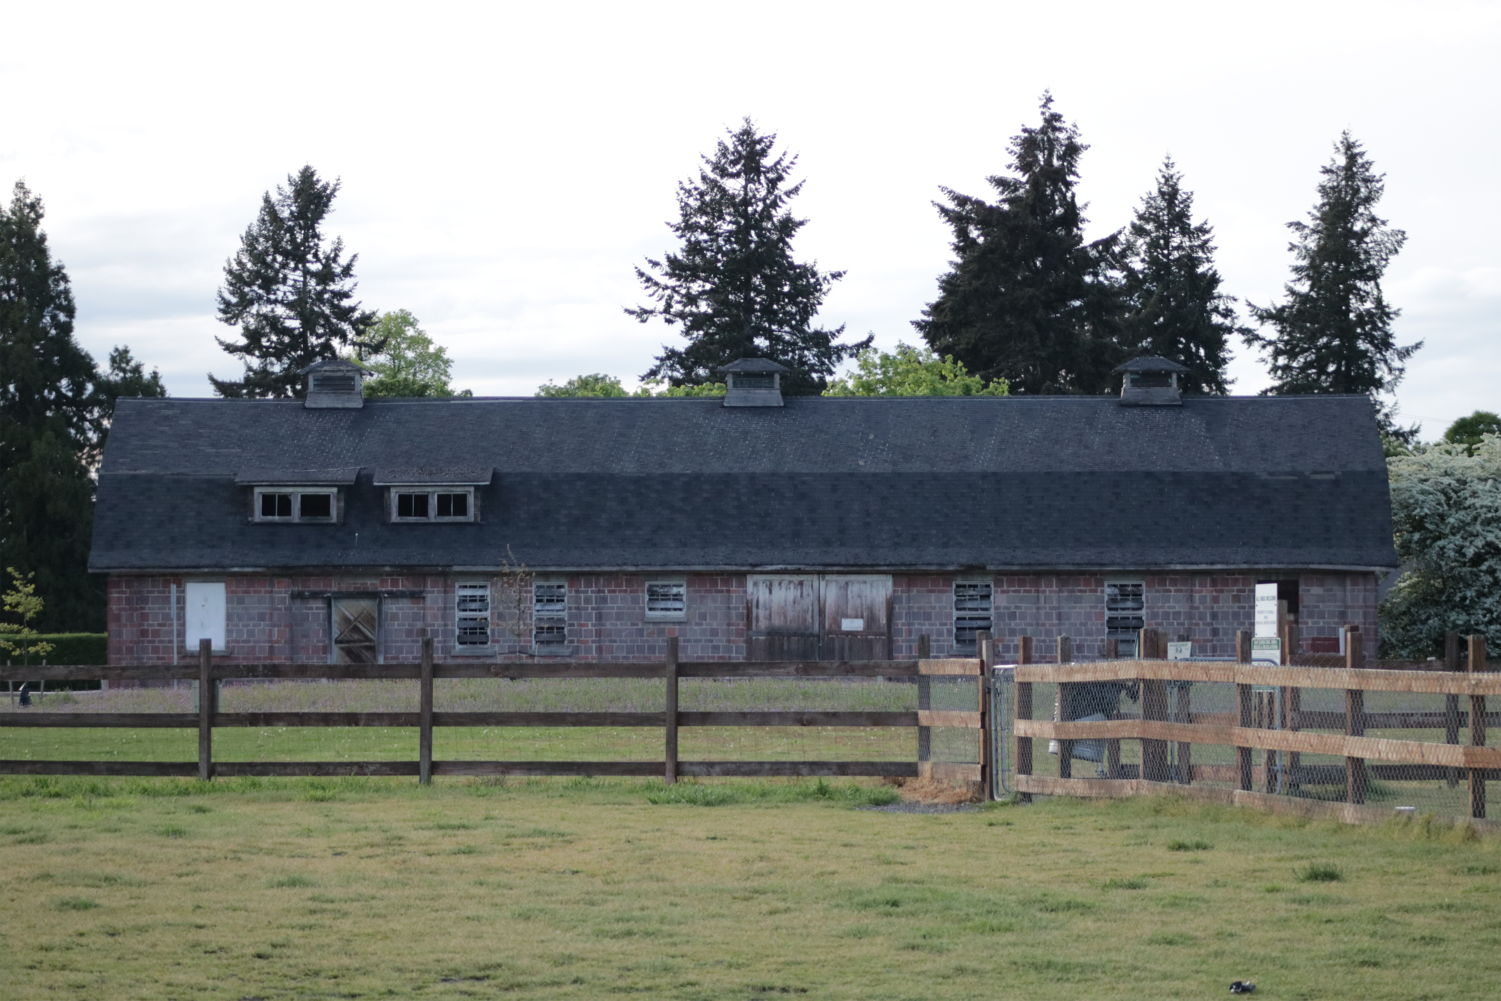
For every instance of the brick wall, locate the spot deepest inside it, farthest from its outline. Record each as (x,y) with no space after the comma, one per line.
(607,621)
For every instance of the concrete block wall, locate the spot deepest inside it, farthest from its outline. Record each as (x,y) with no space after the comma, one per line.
(607,615)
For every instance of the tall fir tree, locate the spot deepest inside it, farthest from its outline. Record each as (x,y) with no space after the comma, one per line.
(1175,308)
(290,291)
(1027,299)
(48,421)
(1333,332)
(733,286)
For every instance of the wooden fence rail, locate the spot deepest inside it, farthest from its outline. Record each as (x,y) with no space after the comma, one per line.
(1251,729)
(207,672)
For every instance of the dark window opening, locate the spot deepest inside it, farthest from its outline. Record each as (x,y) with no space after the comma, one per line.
(1125,604)
(756,380)
(973,611)
(315,506)
(453,505)
(1153,380)
(1287,590)
(411,505)
(276,505)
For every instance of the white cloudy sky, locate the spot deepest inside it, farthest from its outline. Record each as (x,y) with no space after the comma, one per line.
(505,165)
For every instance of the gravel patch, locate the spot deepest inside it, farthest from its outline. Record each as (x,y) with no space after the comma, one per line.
(922,808)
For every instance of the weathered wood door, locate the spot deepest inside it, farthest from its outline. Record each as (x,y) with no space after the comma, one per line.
(782,618)
(806,617)
(857,618)
(356,630)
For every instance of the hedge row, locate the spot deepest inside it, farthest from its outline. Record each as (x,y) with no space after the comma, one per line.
(71,648)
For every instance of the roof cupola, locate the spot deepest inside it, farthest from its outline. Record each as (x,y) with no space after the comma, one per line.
(754,382)
(1151,382)
(334,383)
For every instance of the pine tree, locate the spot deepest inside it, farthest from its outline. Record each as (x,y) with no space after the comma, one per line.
(733,285)
(289,291)
(1333,334)
(1175,307)
(48,411)
(1027,300)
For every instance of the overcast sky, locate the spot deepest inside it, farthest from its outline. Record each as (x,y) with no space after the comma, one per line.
(505,165)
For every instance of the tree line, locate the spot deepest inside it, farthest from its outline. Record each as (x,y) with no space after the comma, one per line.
(1027,305)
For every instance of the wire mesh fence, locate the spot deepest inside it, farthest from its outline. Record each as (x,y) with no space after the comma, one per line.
(1410,741)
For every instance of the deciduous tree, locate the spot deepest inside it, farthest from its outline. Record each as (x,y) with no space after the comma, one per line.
(1446,516)
(1026,298)
(733,287)
(910,371)
(407,362)
(290,291)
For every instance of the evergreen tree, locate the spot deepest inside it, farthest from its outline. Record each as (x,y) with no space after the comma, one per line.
(1027,300)
(733,285)
(1333,334)
(1175,307)
(125,377)
(48,411)
(290,292)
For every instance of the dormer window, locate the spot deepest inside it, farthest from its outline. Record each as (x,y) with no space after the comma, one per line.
(296,504)
(446,504)
(434,494)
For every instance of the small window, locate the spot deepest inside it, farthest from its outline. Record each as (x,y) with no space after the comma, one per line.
(550,615)
(666,599)
(472,605)
(295,505)
(974,603)
(432,505)
(1125,603)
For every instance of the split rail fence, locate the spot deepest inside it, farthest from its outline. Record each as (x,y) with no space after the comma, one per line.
(1206,723)
(208,673)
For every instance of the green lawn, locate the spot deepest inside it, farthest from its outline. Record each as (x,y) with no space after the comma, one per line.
(583,889)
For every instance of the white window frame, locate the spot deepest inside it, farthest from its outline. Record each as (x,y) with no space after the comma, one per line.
(1125,636)
(393,493)
(665,597)
(296,494)
(970,615)
(549,612)
(471,611)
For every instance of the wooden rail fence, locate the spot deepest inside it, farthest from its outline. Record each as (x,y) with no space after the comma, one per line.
(208,717)
(1476,761)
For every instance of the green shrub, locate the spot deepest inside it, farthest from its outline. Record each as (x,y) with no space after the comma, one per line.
(76,648)
(1320,872)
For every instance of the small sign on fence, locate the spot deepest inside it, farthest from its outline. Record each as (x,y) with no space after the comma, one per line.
(1180,651)
(1266,650)
(1266,610)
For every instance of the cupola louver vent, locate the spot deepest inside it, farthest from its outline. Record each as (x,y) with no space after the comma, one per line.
(334,384)
(753,382)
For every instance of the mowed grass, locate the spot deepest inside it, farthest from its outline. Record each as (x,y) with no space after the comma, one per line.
(583,889)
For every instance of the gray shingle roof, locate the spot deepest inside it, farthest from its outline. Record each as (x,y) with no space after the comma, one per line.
(923,483)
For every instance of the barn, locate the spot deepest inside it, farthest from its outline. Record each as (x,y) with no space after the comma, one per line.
(752,526)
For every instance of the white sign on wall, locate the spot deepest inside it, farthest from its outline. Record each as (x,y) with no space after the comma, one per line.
(204,618)
(1266,610)
(1180,651)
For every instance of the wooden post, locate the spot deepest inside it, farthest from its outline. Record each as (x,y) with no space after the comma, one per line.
(1477,728)
(671,716)
(924,701)
(1067,710)
(1244,707)
(206,710)
(983,648)
(1153,707)
(1024,711)
(1355,770)
(425,715)
(1451,702)
(1112,649)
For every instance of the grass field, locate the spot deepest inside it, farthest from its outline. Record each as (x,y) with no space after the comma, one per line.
(581,889)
